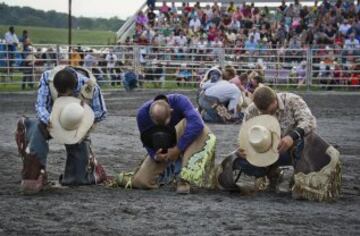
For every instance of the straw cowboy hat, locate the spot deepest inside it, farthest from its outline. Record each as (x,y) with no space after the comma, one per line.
(260,137)
(70,121)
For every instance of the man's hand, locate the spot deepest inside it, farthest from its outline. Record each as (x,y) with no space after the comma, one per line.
(285,143)
(160,156)
(44,129)
(173,153)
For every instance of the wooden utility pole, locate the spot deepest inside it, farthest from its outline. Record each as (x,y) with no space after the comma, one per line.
(70,26)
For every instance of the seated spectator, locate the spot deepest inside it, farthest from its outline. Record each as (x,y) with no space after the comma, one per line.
(195,24)
(251,45)
(111,61)
(255,80)
(75,58)
(351,43)
(344,27)
(49,58)
(151,17)
(165,10)
(142,19)
(301,73)
(151,3)
(89,60)
(183,75)
(155,73)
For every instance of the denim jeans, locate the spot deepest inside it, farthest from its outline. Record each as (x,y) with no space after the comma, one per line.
(77,171)
(284,160)
(209,114)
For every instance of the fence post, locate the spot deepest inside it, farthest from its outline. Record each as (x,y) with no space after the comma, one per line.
(57,54)
(308,68)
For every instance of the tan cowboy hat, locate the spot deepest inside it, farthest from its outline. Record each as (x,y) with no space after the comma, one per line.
(260,137)
(70,121)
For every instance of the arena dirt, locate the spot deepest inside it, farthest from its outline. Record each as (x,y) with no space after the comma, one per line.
(96,210)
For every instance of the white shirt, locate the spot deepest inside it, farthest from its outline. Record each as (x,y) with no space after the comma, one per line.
(111,59)
(224,91)
(256,36)
(344,28)
(181,40)
(195,23)
(11,38)
(349,44)
(89,60)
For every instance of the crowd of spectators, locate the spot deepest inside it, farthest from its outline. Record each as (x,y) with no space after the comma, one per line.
(200,35)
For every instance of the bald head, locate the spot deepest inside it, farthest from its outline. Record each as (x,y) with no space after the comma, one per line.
(160,112)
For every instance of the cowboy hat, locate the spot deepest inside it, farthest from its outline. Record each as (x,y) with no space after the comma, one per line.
(260,137)
(70,121)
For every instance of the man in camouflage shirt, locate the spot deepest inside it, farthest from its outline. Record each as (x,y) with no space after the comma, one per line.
(296,121)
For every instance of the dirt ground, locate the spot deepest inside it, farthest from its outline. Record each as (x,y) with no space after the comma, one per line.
(96,210)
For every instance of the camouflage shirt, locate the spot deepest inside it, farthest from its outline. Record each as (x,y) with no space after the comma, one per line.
(292,112)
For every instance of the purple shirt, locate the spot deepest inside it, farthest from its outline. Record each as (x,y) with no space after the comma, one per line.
(182,108)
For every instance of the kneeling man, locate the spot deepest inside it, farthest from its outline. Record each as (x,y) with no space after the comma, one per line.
(277,139)
(68,104)
(178,144)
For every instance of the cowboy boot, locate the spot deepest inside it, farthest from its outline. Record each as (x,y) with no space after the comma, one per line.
(34,176)
(182,187)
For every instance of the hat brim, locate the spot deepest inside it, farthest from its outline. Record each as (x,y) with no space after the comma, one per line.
(253,157)
(62,135)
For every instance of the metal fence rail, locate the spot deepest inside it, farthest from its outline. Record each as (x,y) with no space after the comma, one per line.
(305,68)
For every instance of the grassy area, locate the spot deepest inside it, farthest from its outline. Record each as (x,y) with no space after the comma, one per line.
(43,35)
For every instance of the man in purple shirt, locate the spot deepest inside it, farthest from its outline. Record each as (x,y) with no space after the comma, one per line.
(178,143)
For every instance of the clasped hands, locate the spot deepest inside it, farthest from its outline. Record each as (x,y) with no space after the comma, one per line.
(172,154)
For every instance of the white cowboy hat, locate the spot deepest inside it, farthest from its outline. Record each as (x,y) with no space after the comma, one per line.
(260,137)
(70,121)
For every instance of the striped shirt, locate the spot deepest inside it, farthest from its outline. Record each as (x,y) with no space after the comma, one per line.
(44,101)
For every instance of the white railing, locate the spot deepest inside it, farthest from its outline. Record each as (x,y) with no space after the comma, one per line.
(165,65)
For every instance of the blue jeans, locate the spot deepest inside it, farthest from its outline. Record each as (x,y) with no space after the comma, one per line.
(77,171)
(284,160)
(209,114)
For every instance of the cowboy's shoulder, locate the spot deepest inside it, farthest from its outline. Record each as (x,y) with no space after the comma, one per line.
(251,111)
(293,99)
(46,76)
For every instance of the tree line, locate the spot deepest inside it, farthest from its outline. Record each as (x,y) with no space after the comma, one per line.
(27,16)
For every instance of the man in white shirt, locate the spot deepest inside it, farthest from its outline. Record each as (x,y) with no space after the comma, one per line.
(89,60)
(344,27)
(111,60)
(12,41)
(256,35)
(195,24)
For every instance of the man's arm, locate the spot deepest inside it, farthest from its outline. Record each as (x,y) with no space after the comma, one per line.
(98,105)
(194,123)
(43,97)
(143,125)
(305,121)
(235,100)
